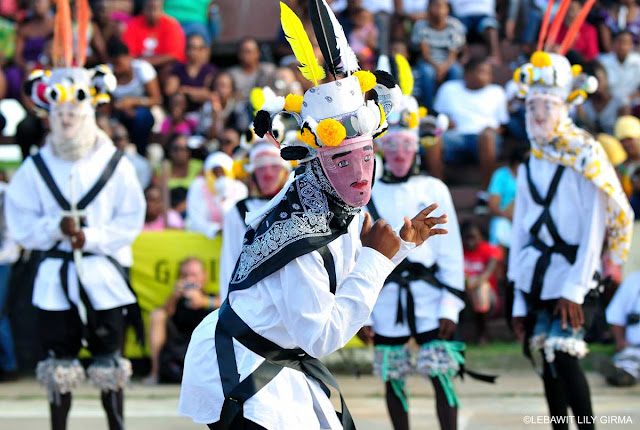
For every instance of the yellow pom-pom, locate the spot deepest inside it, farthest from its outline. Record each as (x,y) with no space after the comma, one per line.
(576,69)
(413,120)
(331,132)
(238,171)
(367,80)
(308,137)
(575,94)
(516,75)
(293,103)
(540,59)
(383,116)
(423,112)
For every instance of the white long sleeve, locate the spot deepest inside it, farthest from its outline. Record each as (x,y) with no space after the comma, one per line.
(579,280)
(450,259)
(27,221)
(318,321)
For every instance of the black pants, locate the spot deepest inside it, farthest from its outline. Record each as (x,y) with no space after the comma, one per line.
(61,332)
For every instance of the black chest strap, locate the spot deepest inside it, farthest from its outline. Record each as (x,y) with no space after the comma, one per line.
(107,173)
(230,326)
(242,209)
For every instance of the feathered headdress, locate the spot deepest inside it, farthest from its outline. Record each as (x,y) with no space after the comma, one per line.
(329,112)
(68,81)
(551,73)
(407,114)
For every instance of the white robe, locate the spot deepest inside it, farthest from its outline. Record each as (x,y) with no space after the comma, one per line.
(114,219)
(199,201)
(578,211)
(394,202)
(626,301)
(233,231)
(293,308)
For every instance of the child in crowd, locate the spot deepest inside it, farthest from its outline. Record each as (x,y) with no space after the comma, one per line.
(480,266)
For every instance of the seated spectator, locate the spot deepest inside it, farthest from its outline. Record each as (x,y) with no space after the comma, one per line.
(627,131)
(479,17)
(159,218)
(382,11)
(30,39)
(177,122)
(170,326)
(414,10)
(195,77)
(515,105)
(97,49)
(230,142)
(211,196)
(120,137)
(623,67)
(250,73)
(183,169)
(155,36)
(137,91)
(625,15)
(599,113)
(440,38)
(623,314)
(635,192)
(477,110)
(480,266)
(224,110)
(363,38)
(285,82)
(586,42)
(7,40)
(9,254)
(194,17)
(502,195)
(113,17)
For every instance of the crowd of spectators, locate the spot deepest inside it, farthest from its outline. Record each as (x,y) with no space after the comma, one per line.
(182,108)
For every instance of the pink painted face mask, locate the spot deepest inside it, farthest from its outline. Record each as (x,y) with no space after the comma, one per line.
(349,169)
(270,178)
(399,151)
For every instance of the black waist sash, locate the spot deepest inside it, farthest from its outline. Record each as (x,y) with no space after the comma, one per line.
(407,272)
(569,252)
(134,317)
(230,326)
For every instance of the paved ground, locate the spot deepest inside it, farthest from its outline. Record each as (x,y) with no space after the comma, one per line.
(504,405)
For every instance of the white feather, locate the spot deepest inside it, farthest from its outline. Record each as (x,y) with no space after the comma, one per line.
(348,57)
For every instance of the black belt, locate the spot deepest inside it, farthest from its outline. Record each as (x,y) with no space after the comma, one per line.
(230,326)
(133,316)
(407,272)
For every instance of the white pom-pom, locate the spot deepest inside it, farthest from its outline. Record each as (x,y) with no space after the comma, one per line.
(110,82)
(274,105)
(591,86)
(442,123)
(366,121)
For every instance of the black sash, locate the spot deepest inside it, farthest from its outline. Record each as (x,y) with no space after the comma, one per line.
(407,272)
(559,246)
(134,317)
(230,326)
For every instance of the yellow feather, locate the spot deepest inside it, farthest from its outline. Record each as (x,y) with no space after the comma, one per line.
(301,45)
(256,97)
(405,75)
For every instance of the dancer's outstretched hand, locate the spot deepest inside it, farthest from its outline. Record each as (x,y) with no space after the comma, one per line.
(421,227)
(380,237)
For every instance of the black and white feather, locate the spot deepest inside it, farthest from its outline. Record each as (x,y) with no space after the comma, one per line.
(349,61)
(323,28)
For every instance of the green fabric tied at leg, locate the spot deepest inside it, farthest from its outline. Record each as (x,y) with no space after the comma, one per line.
(454,350)
(398,385)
